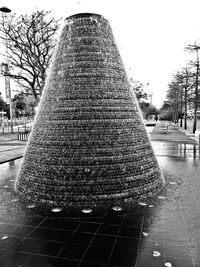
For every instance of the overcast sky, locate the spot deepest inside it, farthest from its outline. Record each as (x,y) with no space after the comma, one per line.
(151,34)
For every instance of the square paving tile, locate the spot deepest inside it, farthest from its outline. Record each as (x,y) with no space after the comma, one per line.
(64,263)
(50,234)
(60,223)
(21,230)
(122,258)
(91,264)
(14,258)
(33,220)
(37,260)
(50,248)
(108,229)
(10,242)
(128,231)
(73,251)
(97,255)
(81,238)
(88,227)
(29,245)
(104,241)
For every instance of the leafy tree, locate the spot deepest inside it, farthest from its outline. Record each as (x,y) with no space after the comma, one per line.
(4,106)
(142,97)
(30,40)
(19,104)
(166,111)
(24,104)
(138,88)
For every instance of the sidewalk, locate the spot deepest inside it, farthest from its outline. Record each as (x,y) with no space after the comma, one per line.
(172,135)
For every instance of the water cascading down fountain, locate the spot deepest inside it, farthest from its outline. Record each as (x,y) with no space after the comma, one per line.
(89,147)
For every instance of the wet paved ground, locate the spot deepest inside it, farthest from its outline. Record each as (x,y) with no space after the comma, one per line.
(164,231)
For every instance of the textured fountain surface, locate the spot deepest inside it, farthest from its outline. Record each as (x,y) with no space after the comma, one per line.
(89,147)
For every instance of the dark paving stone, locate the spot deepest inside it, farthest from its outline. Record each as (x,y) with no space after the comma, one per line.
(14,259)
(126,244)
(91,264)
(97,255)
(29,245)
(38,261)
(21,230)
(108,229)
(50,248)
(50,234)
(88,227)
(130,232)
(104,241)
(125,252)
(41,233)
(33,220)
(123,258)
(10,242)
(60,223)
(62,236)
(133,221)
(81,238)
(113,220)
(3,253)
(73,251)
(92,219)
(64,263)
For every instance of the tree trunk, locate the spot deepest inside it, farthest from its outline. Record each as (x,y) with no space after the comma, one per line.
(196,96)
(185,104)
(177,107)
(181,108)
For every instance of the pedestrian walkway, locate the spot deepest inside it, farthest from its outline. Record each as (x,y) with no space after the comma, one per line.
(172,135)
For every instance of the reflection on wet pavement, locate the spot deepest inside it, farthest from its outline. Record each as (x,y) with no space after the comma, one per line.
(173,149)
(9,169)
(162,231)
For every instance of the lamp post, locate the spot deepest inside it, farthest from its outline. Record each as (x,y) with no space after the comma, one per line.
(6,10)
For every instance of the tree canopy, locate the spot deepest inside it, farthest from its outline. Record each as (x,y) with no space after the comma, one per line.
(30,41)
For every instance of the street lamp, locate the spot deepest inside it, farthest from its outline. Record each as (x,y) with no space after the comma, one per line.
(6,10)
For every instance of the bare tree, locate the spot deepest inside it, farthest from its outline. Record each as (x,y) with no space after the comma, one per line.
(173,96)
(186,77)
(30,40)
(195,48)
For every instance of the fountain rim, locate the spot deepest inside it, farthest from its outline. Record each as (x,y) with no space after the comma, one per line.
(84,15)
